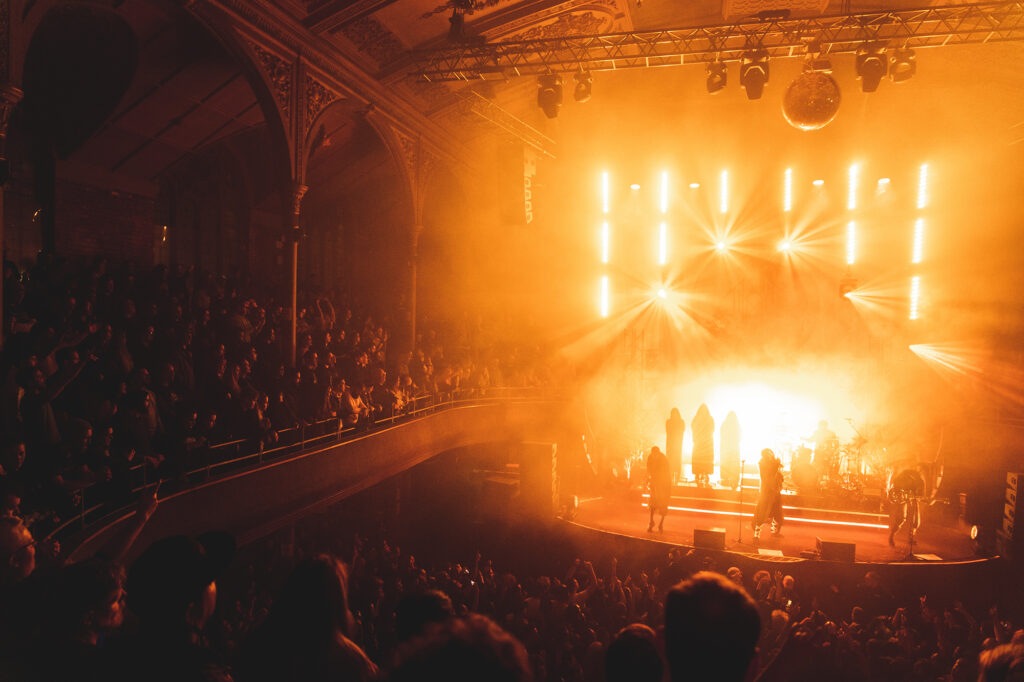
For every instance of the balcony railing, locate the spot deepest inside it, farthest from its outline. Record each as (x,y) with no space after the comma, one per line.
(237,455)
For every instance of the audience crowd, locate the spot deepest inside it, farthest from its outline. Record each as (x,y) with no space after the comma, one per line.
(113,377)
(290,608)
(107,370)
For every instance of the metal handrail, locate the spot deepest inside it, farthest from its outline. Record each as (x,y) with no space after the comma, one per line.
(306,436)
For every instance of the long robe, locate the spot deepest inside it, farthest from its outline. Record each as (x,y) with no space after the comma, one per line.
(769,501)
(703,427)
(729,450)
(675,427)
(660,478)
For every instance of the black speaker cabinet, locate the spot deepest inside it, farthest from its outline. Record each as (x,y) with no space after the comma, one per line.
(709,538)
(836,551)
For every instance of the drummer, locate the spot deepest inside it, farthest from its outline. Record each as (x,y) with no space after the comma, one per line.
(826,448)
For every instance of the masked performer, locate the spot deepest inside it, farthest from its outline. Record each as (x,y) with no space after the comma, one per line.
(769,500)
(674,429)
(659,479)
(703,428)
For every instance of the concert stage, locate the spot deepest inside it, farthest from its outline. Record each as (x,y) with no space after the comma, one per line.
(844,526)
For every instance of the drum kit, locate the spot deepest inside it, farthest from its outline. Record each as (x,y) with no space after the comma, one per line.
(833,467)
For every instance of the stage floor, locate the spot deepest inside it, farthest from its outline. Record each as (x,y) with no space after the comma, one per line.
(628,515)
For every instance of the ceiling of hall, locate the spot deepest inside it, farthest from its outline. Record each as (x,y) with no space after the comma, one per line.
(188,92)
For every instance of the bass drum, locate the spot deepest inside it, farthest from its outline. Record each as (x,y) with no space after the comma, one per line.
(805,476)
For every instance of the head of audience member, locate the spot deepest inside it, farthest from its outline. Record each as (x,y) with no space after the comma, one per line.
(17,551)
(1004,663)
(13,458)
(735,574)
(464,649)
(416,610)
(633,656)
(313,605)
(172,586)
(711,629)
(88,602)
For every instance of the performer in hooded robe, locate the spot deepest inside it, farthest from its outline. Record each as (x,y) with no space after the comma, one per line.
(769,499)
(703,464)
(729,442)
(659,481)
(675,427)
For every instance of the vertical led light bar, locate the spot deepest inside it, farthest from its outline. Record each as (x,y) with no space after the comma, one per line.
(851,242)
(604,193)
(664,192)
(851,189)
(723,199)
(787,191)
(922,187)
(915,296)
(663,228)
(918,254)
(605,245)
(663,244)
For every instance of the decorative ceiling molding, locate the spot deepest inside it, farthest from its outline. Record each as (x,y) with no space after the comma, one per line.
(340,71)
(374,40)
(737,9)
(318,96)
(505,26)
(333,16)
(569,24)
(278,72)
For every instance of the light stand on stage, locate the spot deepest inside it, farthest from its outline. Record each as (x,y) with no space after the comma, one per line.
(739,537)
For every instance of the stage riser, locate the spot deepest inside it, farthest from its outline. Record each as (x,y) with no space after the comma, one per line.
(728,502)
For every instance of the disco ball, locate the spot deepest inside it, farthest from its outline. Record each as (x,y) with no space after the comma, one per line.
(811,101)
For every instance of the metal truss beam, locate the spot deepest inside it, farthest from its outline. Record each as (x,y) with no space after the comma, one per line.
(780,37)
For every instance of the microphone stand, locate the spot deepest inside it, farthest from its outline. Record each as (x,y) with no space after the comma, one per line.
(913,516)
(739,537)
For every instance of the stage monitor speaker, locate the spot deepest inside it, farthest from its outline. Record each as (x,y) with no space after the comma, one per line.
(709,538)
(836,551)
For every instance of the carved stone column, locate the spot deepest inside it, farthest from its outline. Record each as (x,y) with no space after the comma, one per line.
(9,98)
(300,191)
(413,293)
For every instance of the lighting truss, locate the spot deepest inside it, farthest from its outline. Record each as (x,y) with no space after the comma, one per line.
(491,112)
(913,28)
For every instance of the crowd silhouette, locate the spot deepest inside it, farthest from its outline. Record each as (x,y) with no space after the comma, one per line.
(109,372)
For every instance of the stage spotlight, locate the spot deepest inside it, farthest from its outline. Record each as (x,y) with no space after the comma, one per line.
(902,65)
(847,286)
(871,65)
(584,87)
(718,76)
(549,94)
(754,72)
